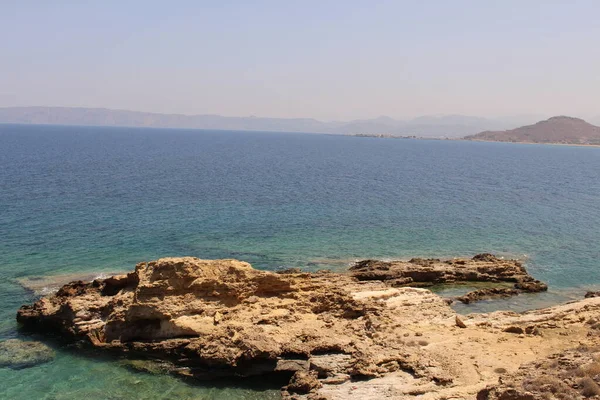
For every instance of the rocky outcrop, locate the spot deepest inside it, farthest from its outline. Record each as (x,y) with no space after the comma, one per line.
(223,318)
(426,272)
(419,272)
(334,336)
(18,354)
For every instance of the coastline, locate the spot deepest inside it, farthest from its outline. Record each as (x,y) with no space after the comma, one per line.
(364,334)
(466,140)
(551,144)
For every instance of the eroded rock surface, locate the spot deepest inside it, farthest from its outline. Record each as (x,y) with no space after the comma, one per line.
(336,336)
(567,375)
(426,272)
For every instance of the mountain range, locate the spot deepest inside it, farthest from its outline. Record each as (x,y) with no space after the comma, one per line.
(560,130)
(448,126)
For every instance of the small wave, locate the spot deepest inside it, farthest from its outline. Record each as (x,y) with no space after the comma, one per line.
(45,285)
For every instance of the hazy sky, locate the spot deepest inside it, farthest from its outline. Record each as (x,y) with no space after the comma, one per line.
(324,59)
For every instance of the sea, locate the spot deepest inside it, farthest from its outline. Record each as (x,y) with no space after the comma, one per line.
(96,200)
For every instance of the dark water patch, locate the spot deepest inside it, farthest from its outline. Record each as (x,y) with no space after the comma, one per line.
(79,369)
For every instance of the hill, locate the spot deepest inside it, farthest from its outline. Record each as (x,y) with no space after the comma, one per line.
(452,126)
(560,130)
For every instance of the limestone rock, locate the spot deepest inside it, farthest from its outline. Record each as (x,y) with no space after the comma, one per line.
(571,374)
(340,336)
(303,383)
(425,272)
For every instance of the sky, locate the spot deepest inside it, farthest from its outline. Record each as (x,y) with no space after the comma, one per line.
(331,60)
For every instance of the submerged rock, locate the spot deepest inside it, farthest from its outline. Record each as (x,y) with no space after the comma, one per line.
(148,366)
(483,294)
(339,336)
(18,354)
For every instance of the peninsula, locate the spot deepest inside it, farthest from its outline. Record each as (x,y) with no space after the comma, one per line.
(556,130)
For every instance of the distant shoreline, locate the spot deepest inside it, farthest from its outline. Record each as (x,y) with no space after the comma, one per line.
(466,140)
(560,130)
(359,135)
(550,144)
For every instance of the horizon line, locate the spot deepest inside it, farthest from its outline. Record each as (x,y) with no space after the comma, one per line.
(538,117)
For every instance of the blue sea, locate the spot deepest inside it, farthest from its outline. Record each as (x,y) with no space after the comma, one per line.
(94,199)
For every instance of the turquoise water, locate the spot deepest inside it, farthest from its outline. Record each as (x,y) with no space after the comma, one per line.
(76,199)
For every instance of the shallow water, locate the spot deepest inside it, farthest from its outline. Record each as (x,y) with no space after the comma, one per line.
(88,199)
(71,376)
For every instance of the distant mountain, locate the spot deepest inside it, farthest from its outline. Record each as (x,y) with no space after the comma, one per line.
(451,126)
(564,130)
(108,117)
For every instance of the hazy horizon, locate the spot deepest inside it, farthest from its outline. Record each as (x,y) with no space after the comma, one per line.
(338,61)
(407,118)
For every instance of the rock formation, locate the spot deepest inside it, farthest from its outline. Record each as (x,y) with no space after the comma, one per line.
(420,272)
(336,336)
(426,272)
